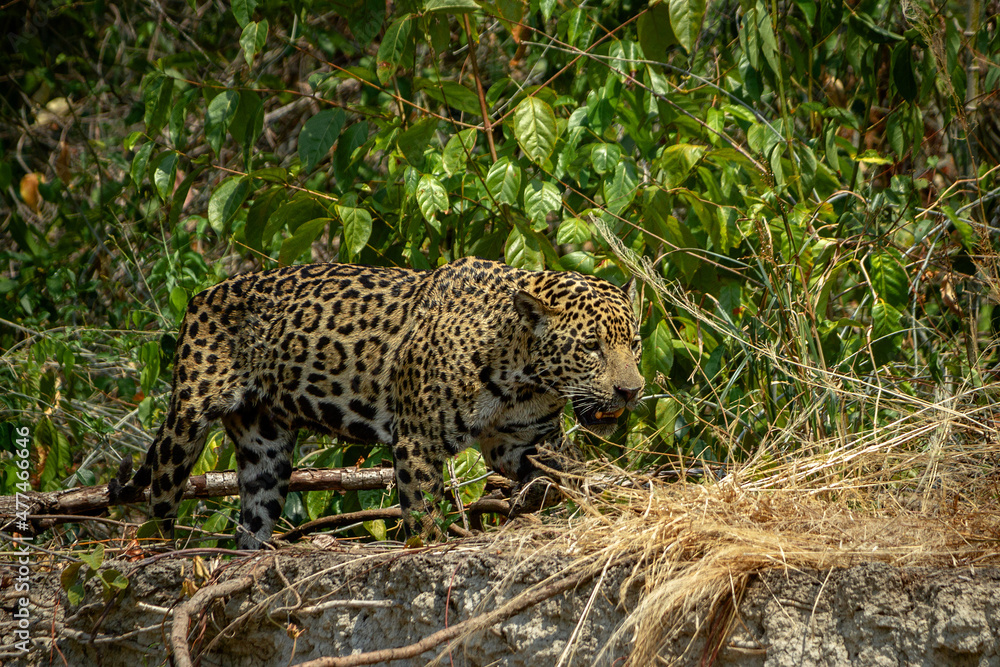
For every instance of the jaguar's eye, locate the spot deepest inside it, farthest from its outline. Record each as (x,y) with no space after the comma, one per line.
(591,345)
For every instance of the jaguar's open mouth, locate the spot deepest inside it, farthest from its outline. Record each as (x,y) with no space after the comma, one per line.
(591,415)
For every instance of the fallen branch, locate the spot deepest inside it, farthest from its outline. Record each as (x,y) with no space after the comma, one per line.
(44,510)
(200,600)
(479,507)
(505,611)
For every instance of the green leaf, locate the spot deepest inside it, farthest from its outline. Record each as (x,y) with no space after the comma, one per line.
(243,10)
(453,94)
(658,351)
(885,331)
(221,111)
(504,181)
(70,575)
(889,279)
(253,39)
(301,241)
(573,230)
(302,208)
(357,228)
(678,161)
(902,71)
(365,20)
(540,199)
(95,558)
(164,173)
(376,529)
(658,212)
(157,92)
(458,151)
(619,190)
(226,201)
(535,128)
(605,157)
(685,21)
(75,593)
(263,207)
(469,465)
(523,252)
(413,142)
(431,197)
(316,503)
(450,6)
(393,51)
(655,33)
(346,156)
(149,357)
(318,136)
(248,123)
(178,300)
(140,162)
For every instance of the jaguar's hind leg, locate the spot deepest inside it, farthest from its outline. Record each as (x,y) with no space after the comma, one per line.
(264,466)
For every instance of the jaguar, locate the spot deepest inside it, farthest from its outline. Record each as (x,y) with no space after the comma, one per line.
(427,362)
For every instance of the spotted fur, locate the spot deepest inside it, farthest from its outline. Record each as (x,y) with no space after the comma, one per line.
(428,362)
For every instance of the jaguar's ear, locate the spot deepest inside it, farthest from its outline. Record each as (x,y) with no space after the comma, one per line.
(534,312)
(632,292)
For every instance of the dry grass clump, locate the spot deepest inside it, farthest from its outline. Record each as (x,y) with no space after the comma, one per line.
(898,495)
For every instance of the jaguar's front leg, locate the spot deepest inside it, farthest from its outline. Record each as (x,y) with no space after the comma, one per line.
(420,487)
(539,466)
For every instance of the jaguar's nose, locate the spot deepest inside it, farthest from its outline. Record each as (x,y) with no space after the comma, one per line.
(628,393)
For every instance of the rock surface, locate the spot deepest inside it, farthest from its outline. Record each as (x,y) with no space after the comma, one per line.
(310,604)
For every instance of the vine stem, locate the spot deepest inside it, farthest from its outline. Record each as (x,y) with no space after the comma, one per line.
(487,123)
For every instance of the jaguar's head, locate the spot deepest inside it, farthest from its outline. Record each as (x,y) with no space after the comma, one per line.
(585,344)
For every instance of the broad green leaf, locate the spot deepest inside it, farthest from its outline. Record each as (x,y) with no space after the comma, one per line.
(768,43)
(70,574)
(318,135)
(257,217)
(221,111)
(685,21)
(248,123)
(365,20)
(413,142)
(301,241)
(620,188)
(226,201)
(450,6)
(316,502)
(357,228)
(431,197)
(655,33)
(376,529)
(678,161)
(243,10)
(157,92)
(346,156)
(393,51)
(178,300)
(540,199)
(889,279)
(469,465)
(658,351)
(896,134)
(253,39)
(302,208)
(140,162)
(453,94)
(902,71)
(886,331)
(605,157)
(535,128)
(625,56)
(573,230)
(95,558)
(164,173)
(458,150)
(523,252)
(504,181)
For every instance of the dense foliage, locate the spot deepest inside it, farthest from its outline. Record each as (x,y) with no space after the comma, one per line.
(808,189)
